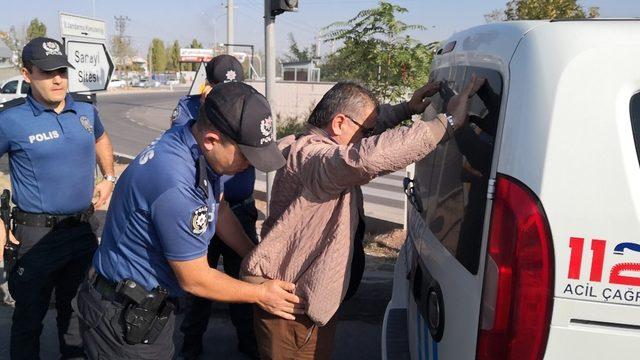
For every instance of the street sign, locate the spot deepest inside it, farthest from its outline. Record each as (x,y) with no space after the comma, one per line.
(83,27)
(195,55)
(197,86)
(93,66)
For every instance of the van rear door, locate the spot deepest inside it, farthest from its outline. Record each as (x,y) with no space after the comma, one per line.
(447,223)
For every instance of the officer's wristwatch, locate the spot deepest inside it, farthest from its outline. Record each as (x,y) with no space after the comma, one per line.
(110,178)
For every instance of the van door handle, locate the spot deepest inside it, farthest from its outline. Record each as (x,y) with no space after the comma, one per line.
(410,190)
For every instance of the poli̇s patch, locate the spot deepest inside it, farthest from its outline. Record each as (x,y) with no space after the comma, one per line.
(199,220)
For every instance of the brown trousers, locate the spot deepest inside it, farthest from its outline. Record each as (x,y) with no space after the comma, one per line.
(280,339)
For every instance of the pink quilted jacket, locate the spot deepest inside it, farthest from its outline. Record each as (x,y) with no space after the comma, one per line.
(308,237)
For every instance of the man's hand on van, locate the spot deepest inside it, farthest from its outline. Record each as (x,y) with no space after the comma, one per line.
(420,98)
(458,106)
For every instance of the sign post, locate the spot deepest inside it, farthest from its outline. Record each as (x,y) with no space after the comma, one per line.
(93,66)
(84,39)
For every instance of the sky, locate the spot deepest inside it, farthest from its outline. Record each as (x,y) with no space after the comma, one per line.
(205,20)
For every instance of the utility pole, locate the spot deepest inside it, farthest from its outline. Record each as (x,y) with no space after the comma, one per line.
(229,26)
(271,9)
(122,41)
(270,77)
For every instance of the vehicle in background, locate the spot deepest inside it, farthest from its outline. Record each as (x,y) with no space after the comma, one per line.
(523,231)
(116,84)
(12,88)
(145,83)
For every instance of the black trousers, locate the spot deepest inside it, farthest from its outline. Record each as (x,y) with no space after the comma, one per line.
(50,258)
(198,309)
(101,324)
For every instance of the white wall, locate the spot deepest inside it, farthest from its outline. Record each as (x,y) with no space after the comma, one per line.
(294,99)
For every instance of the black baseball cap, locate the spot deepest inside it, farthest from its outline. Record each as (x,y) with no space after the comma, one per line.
(45,53)
(241,113)
(223,69)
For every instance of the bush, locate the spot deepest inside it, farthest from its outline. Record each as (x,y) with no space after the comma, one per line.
(289,125)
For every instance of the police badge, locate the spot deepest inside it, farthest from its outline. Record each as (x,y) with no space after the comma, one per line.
(86,124)
(175,114)
(199,221)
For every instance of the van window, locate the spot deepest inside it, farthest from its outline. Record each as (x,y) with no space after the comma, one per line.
(635,121)
(24,87)
(452,181)
(10,88)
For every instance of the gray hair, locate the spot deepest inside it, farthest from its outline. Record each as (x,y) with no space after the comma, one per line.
(343,98)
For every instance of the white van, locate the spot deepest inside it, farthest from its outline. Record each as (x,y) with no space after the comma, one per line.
(13,88)
(524,234)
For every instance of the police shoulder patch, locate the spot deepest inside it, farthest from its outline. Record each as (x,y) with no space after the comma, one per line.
(12,103)
(199,220)
(175,114)
(87,98)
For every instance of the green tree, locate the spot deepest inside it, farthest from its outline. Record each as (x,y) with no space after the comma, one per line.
(36,29)
(542,9)
(173,57)
(15,39)
(377,52)
(298,54)
(158,56)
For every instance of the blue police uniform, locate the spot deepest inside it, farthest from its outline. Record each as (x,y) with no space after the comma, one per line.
(52,162)
(152,220)
(238,192)
(52,156)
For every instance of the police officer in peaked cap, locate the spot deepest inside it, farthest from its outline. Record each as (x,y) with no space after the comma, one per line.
(165,209)
(238,192)
(53,142)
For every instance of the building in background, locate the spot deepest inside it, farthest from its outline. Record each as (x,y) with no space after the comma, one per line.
(301,71)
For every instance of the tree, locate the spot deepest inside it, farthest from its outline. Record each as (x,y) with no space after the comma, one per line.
(173,57)
(378,53)
(15,39)
(158,55)
(36,29)
(542,9)
(298,54)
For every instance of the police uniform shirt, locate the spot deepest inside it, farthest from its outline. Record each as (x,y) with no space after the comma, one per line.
(186,110)
(52,156)
(163,208)
(237,187)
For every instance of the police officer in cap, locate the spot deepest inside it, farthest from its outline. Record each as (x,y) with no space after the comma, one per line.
(164,212)
(238,192)
(53,142)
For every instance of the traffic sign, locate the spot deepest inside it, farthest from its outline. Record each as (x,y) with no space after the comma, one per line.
(197,86)
(196,55)
(83,27)
(93,66)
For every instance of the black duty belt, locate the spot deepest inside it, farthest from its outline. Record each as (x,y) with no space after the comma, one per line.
(48,220)
(105,287)
(109,289)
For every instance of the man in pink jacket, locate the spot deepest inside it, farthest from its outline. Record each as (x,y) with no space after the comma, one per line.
(313,235)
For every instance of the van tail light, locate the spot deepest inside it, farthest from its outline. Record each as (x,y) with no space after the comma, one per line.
(518,293)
